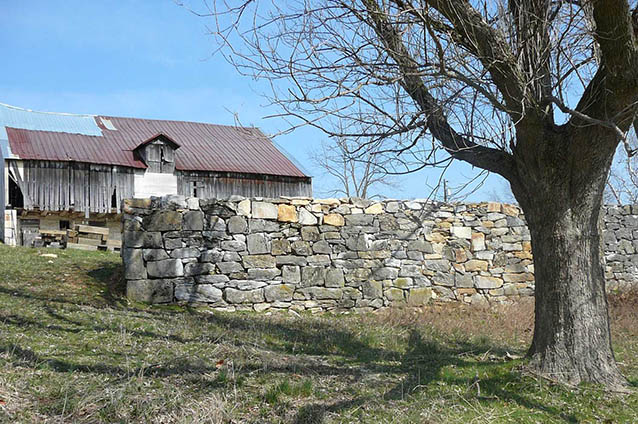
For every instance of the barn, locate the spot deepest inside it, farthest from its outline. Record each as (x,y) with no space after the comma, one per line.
(61,169)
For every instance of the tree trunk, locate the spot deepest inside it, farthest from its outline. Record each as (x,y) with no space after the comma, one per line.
(572,339)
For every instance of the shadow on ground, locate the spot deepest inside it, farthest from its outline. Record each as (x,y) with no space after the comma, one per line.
(306,347)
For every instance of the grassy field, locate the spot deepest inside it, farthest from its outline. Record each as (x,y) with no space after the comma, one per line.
(72,349)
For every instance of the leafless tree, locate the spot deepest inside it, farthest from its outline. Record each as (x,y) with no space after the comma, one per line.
(622,184)
(538,91)
(357,172)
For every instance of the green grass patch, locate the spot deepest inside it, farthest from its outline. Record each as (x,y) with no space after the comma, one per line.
(73,349)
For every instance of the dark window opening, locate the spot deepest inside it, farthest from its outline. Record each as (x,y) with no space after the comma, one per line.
(97,223)
(114,198)
(16,199)
(65,225)
(197,188)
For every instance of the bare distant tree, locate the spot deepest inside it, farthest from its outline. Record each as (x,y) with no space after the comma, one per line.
(538,91)
(622,185)
(357,172)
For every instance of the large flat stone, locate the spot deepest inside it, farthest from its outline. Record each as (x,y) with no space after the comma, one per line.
(163,220)
(133,260)
(203,293)
(198,268)
(286,213)
(259,261)
(264,210)
(165,269)
(145,239)
(279,293)
(257,244)
(193,221)
(150,291)
(241,296)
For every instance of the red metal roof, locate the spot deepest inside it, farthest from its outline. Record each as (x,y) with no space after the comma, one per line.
(203,147)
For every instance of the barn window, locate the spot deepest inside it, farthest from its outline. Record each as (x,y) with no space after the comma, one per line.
(197,188)
(114,198)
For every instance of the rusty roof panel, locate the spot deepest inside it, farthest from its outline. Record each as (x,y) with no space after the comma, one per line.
(203,147)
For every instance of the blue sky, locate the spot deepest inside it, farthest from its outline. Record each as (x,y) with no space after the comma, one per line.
(150,59)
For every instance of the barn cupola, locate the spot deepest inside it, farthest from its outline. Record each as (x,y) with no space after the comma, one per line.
(158,153)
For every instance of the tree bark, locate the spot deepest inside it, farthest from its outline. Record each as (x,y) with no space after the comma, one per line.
(572,338)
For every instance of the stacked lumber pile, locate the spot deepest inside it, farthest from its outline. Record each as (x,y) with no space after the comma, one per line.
(51,238)
(87,237)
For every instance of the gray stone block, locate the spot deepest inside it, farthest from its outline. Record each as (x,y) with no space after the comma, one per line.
(237,225)
(165,269)
(211,279)
(213,256)
(185,252)
(193,220)
(233,245)
(155,254)
(203,293)
(313,276)
(279,293)
(334,277)
(291,260)
(133,264)
(230,267)
(257,244)
(263,274)
(142,239)
(259,261)
(163,220)
(150,291)
(240,296)
(198,268)
(291,274)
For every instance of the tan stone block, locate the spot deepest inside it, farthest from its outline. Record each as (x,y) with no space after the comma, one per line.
(334,219)
(444,224)
(515,278)
(459,268)
(511,210)
(523,255)
(465,292)
(419,296)
(478,242)
(330,201)
(476,265)
(394,295)
(461,255)
(243,208)
(435,237)
(374,209)
(493,207)
(287,213)
(527,246)
(483,282)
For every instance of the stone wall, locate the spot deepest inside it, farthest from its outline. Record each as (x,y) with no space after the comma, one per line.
(322,254)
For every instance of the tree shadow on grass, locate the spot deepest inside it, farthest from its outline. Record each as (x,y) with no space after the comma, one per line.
(307,349)
(110,278)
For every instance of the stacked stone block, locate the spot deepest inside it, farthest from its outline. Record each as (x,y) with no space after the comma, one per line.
(620,239)
(323,254)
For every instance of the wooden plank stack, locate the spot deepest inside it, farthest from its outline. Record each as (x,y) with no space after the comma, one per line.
(52,238)
(87,237)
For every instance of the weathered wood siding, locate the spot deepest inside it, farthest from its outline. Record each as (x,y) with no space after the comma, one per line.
(63,186)
(221,185)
